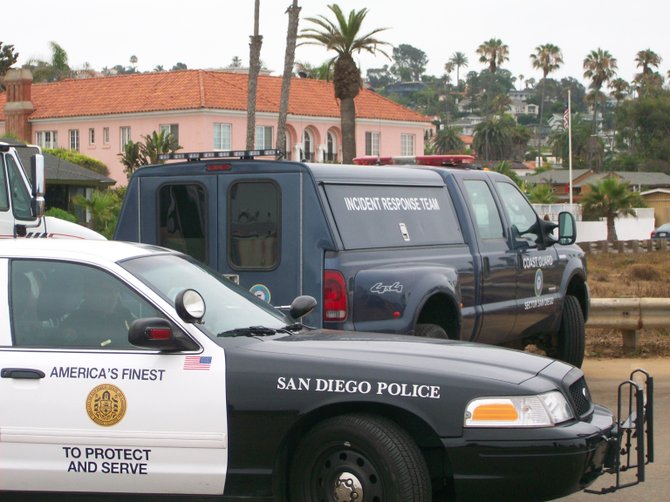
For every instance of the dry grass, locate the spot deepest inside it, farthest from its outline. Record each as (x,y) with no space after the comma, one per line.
(628,276)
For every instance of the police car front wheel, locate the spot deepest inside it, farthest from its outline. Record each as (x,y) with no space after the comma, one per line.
(358,457)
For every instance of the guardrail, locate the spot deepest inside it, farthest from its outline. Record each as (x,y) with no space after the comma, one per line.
(629,315)
(634,246)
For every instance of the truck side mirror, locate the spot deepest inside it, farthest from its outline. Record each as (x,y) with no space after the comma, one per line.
(38,184)
(567,228)
(301,306)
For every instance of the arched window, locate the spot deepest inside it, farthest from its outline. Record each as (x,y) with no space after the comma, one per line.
(307,146)
(331,148)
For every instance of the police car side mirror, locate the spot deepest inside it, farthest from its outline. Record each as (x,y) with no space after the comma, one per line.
(301,306)
(154,333)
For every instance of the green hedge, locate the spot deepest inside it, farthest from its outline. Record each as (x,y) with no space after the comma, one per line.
(79,159)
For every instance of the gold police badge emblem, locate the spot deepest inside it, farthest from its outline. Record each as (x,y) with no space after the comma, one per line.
(106,405)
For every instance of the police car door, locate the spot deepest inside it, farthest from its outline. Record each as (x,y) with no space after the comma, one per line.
(83,410)
(262,234)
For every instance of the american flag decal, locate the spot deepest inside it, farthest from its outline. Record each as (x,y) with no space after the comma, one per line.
(201,363)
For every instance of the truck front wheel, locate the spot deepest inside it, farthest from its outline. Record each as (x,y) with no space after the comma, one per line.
(430,331)
(569,343)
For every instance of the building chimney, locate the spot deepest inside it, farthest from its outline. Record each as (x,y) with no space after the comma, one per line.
(18,106)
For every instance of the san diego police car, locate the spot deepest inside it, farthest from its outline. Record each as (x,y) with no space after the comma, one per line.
(128,368)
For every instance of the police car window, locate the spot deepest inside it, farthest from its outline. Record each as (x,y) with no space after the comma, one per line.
(253,225)
(378,216)
(182,214)
(59,304)
(19,192)
(487,217)
(521,214)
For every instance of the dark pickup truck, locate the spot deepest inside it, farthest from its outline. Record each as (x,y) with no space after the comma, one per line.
(435,252)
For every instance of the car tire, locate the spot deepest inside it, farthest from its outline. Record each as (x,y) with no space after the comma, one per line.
(430,331)
(569,345)
(358,457)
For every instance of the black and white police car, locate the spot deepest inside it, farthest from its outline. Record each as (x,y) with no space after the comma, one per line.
(128,368)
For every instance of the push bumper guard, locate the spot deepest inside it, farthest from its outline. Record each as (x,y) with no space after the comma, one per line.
(632,447)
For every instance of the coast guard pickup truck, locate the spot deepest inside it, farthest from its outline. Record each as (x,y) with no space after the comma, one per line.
(443,253)
(128,368)
(22,199)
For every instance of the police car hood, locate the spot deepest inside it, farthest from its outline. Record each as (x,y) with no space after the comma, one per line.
(404,354)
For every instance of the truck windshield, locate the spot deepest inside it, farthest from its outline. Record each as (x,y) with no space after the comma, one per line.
(228,307)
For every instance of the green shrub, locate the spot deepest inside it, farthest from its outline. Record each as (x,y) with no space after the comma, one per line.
(79,159)
(57,212)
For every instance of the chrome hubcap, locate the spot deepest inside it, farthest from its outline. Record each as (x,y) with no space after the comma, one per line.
(348,488)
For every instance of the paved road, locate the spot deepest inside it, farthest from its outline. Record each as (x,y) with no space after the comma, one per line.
(603,377)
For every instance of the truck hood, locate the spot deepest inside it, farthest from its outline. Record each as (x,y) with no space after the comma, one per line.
(405,355)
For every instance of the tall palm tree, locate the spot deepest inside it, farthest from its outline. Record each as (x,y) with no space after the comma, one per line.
(289,59)
(610,198)
(256,41)
(599,66)
(494,53)
(646,60)
(343,36)
(458,59)
(548,58)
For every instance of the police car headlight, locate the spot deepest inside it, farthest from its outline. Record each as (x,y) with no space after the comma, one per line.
(543,410)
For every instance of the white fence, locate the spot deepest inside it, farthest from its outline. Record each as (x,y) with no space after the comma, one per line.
(628,228)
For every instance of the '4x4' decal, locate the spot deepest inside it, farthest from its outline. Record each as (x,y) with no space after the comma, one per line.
(380,288)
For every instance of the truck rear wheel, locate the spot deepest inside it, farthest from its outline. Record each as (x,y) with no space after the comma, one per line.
(570,340)
(430,331)
(358,457)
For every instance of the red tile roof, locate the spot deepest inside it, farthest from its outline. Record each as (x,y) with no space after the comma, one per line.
(198,89)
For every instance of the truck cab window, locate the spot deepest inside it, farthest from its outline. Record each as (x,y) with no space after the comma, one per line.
(4,200)
(253,225)
(18,191)
(521,214)
(487,217)
(182,216)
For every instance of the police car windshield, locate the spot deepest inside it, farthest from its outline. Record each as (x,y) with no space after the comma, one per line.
(228,307)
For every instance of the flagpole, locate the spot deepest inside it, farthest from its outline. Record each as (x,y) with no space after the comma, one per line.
(570,146)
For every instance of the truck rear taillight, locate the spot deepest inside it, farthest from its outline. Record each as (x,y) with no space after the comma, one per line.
(334,296)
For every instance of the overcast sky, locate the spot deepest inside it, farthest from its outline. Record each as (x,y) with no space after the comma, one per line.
(208,34)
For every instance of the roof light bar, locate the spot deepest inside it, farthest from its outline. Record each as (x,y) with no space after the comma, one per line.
(223,154)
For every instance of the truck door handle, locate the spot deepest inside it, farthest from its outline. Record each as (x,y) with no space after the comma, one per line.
(487,266)
(24,373)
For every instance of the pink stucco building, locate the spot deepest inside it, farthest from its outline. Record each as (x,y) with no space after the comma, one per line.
(206,110)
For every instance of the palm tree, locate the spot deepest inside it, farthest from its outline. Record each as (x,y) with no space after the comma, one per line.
(289,59)
(599,66)
(542,194)
(254,70)
(493,138)
(343,36)
(458,59)
(620,89)
(494,53)
(646,60)
(548,58)
(447,140)
(611,198)
(158,143)
(55,69)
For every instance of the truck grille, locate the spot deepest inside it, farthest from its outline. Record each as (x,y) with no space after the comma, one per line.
(581,397)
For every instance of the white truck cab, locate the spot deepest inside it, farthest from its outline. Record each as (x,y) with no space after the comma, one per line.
(22,200)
